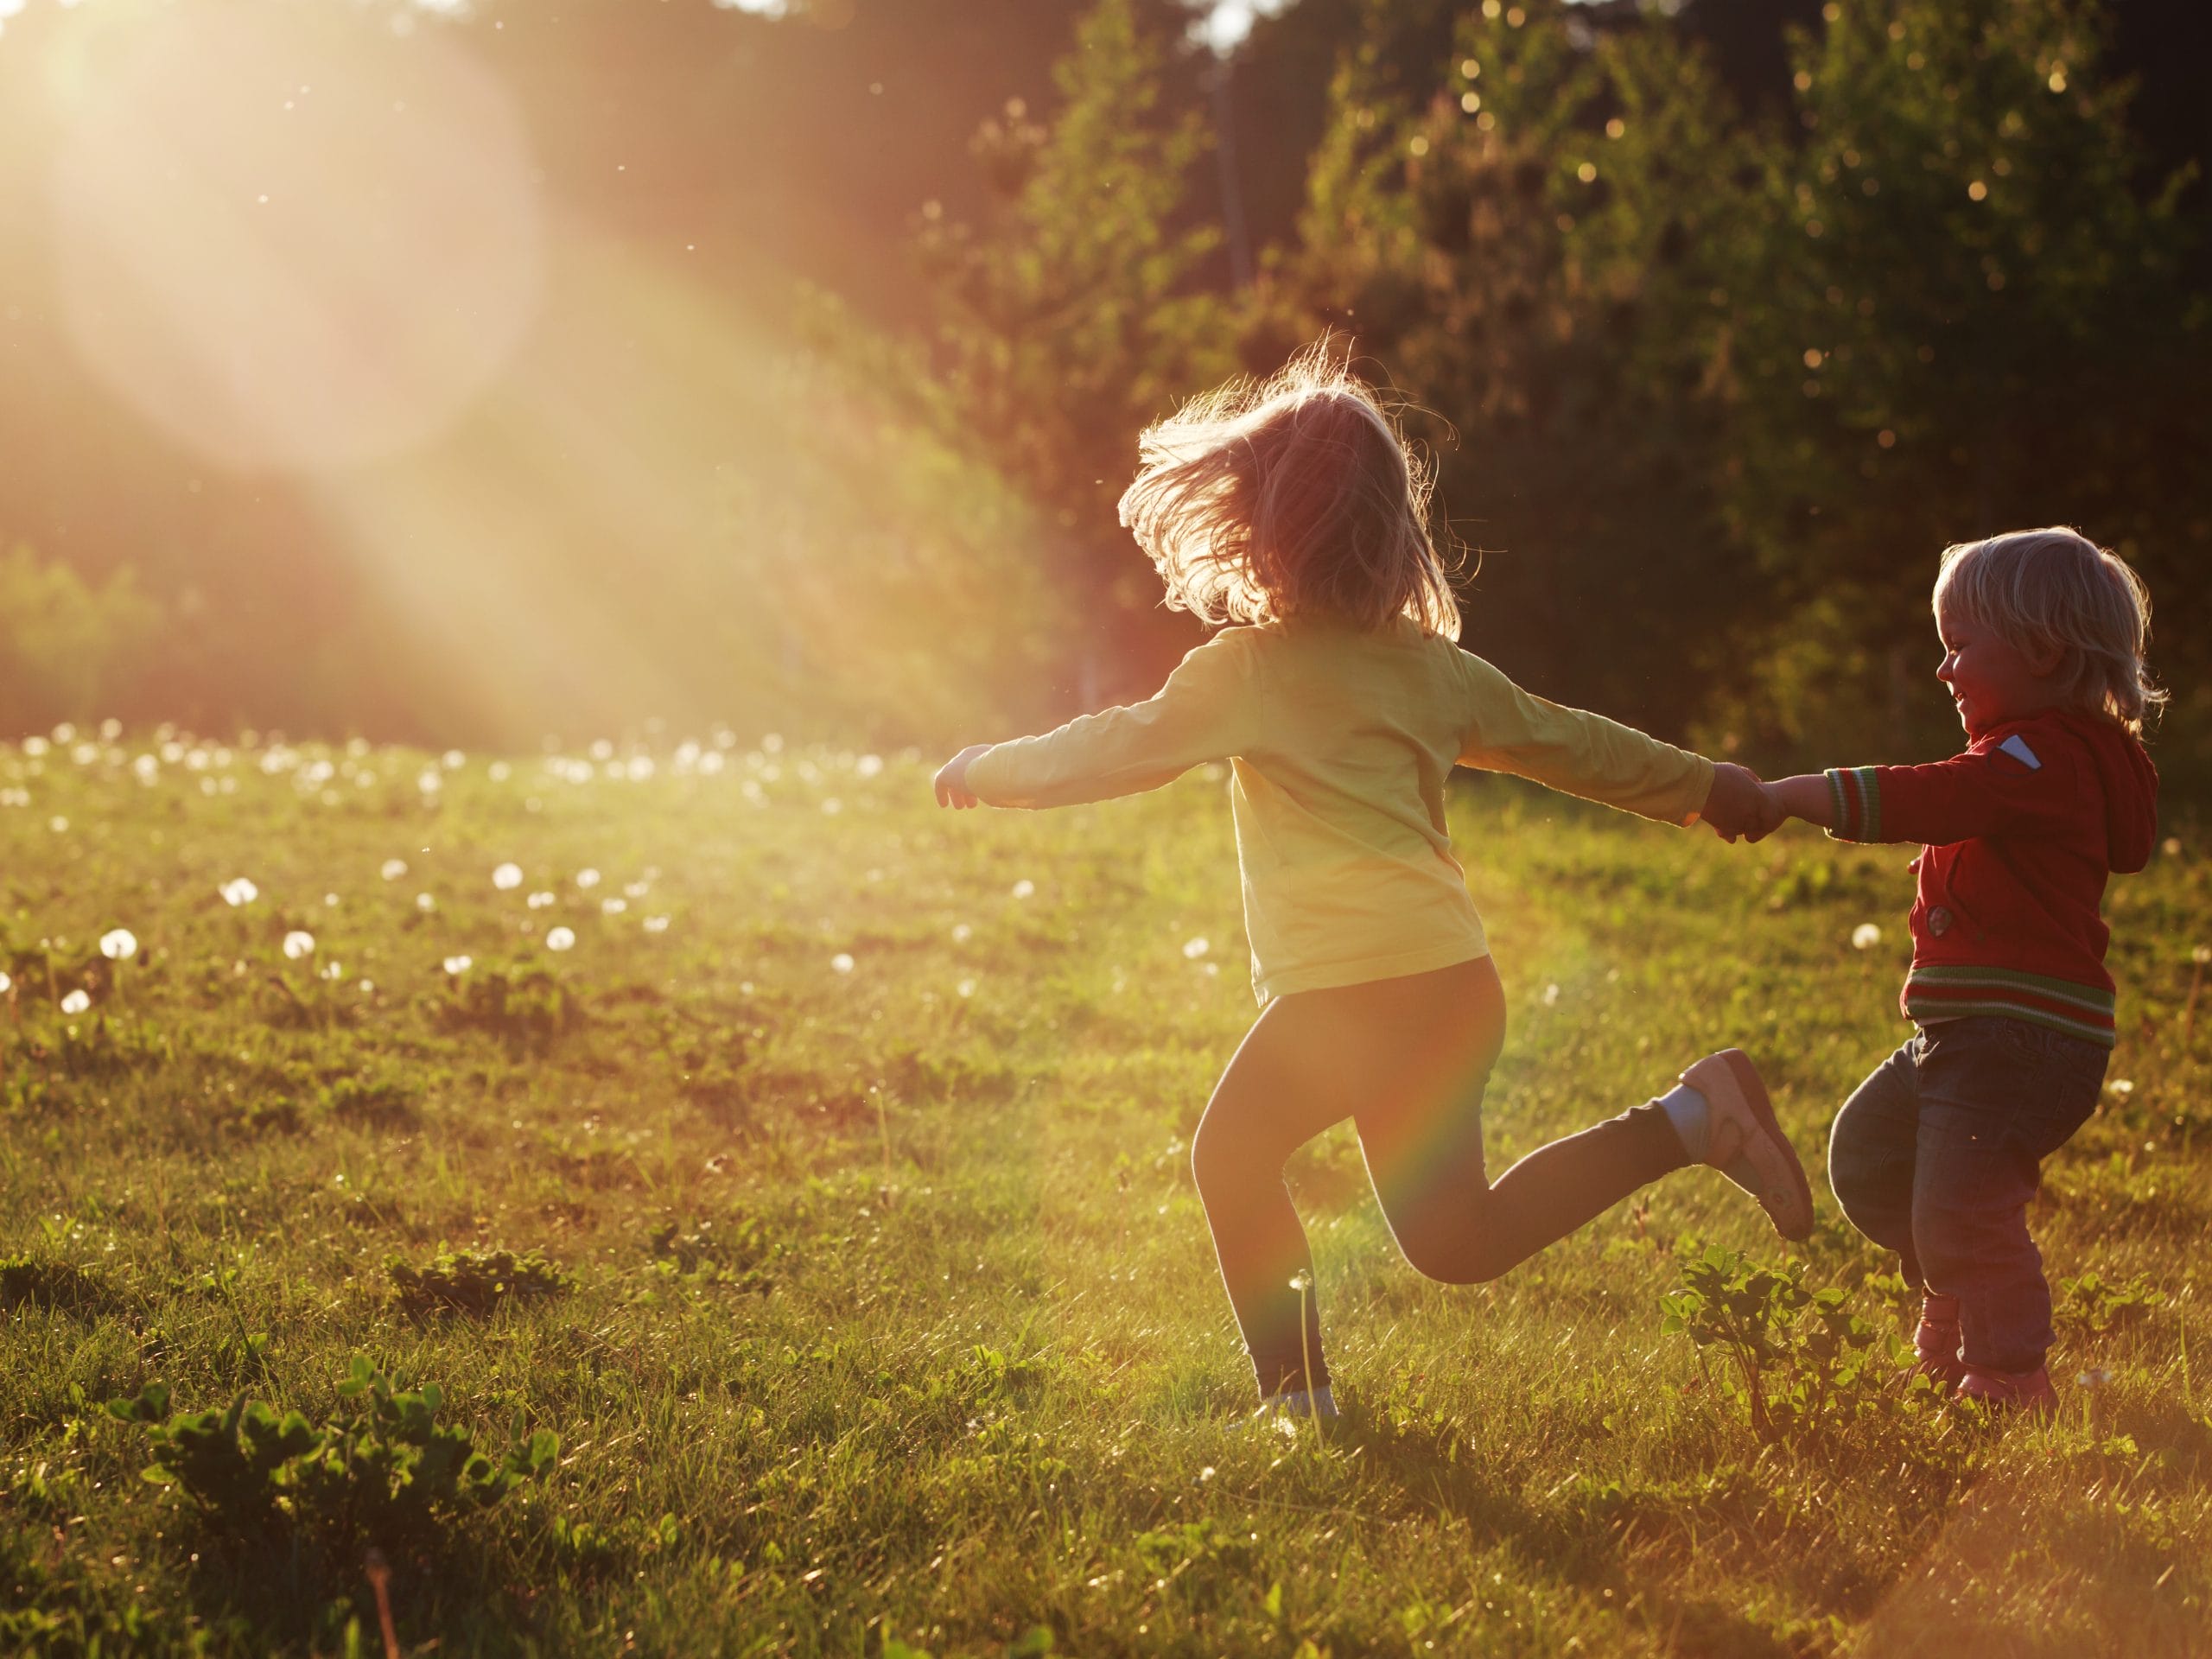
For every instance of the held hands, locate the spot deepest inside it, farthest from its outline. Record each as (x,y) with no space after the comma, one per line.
(952,778)
(1741,806)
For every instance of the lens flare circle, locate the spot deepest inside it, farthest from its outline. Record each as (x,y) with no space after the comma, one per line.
(292,240)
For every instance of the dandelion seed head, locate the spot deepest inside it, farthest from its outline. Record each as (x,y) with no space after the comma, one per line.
(867,765)
(239,891)
(2202,953)
(966,987)
(560,939)
(393,869)
(425,903)
(459,965)
(75,1003)
(962,933)
(2122,1086)
(841,962)
(6,984)
(119,943)
(1865,936)
(59,825)
(614,906)
(1024,888)
(508,877)
(655,923)
(1193,948)
(587,878)
(299,943)
(1551,995)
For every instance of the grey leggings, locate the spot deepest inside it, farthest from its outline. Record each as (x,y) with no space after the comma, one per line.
(1406,1060)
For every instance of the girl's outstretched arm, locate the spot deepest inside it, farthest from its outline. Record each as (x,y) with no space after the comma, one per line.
(1806,796)
(1203,713)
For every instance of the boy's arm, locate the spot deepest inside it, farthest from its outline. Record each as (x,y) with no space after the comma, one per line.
(2019,787)
(1201,714)
(1578,752)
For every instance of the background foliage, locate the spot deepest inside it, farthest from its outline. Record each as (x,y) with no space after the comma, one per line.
(1723,317)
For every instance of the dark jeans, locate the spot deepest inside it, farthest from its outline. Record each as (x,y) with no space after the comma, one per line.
(1406,1060)
(1936,1157)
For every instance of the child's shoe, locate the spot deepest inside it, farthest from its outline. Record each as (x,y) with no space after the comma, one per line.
(1295,1405)
(1746,1145)
(1937,1341)
(2010,1391)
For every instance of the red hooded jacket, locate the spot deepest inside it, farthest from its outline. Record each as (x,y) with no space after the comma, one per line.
(2021,831)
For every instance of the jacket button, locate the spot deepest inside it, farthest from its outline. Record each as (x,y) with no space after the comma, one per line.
(1939,921)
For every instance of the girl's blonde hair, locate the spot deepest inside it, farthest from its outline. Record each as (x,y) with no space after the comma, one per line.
(2038,589)
(1294,496)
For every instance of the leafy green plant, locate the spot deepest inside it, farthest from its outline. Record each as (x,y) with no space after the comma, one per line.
(1793,1356)
(475,1281)
(62,1286)
(2088,1304)
(382,1467)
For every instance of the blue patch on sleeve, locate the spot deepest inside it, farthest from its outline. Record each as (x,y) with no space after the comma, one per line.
(2016,747)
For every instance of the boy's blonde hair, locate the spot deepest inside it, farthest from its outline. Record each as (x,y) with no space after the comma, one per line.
(1293,496)
(2044,588)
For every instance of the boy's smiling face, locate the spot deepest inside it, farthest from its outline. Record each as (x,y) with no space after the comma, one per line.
(1991,679)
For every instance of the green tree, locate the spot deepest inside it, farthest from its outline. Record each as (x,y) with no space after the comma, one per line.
(1963,312)
(1530,250)
(1074,316)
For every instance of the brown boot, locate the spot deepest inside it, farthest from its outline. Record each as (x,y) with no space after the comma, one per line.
(1937,1341)
(2026,1392)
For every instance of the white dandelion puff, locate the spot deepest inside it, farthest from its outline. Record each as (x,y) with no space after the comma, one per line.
(1024,888)
(655,923)
(1193,948)
(614,906)
(393,869)
(238,892)
(508,877)
(539,900)
(59,825)
(560,939)
(425,903)
(119,943)
(1551,995)
(962,933)
(966,987)
(6,984)
(1865,936)
(2122,1086)
(841,962)
(867,765)
(459,965)
(587,878)
(299,943)
(75,1003)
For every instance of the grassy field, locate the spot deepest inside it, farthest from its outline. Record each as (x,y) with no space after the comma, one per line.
(857,1299)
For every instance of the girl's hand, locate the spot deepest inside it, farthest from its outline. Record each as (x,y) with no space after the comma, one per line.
(952,778)
(1739,804)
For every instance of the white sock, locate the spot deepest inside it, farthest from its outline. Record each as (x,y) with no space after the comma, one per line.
(1687,1110)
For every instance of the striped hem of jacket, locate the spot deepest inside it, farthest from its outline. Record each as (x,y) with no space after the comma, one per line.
(2083,1011)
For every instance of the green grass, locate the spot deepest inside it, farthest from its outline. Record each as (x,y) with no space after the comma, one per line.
(875,1307)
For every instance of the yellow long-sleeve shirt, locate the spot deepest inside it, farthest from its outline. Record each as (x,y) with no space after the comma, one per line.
(1339,743)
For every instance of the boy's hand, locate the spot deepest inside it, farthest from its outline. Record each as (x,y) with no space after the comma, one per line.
(952,778)
(1740,806)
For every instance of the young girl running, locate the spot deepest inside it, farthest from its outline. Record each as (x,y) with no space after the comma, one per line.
(1293,508)
(1937,1154)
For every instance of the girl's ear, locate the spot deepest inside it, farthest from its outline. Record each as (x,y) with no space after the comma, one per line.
(2045,656)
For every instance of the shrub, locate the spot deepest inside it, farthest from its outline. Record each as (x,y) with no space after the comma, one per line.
(475,1281)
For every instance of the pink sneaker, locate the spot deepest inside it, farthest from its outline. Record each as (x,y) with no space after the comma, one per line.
(2010,1391)
(1937,1341)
